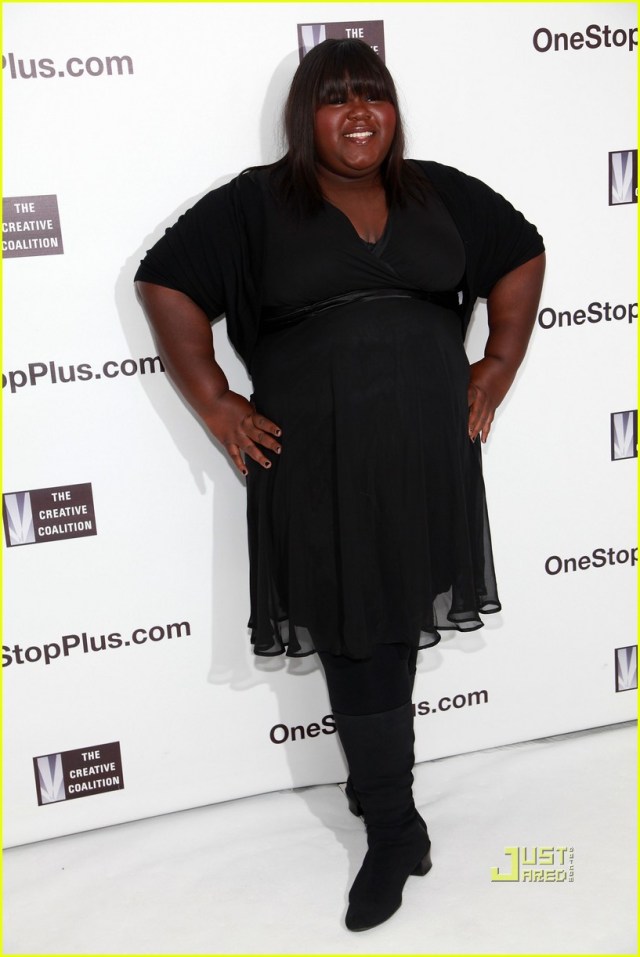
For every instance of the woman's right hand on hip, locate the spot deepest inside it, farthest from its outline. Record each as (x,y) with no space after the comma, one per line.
(242,430)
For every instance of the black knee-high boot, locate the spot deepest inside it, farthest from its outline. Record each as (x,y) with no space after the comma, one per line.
(352,798)
(379,752)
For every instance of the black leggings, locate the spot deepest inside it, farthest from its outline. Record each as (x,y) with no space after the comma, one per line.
(380,683)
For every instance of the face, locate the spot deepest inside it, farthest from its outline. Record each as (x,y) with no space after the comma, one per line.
(353,136)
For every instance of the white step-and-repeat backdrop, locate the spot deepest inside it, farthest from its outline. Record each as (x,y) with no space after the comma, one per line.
(129,686)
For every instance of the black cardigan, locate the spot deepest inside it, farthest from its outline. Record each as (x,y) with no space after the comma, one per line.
(213,253)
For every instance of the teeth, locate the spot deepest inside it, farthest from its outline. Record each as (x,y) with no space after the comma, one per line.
(361,135)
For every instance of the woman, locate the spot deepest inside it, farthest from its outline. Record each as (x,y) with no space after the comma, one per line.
(348,275)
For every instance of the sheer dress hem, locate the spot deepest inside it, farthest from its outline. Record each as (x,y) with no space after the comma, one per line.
(282,641)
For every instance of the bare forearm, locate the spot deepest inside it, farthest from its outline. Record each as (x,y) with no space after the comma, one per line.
(183,336)
(512,307)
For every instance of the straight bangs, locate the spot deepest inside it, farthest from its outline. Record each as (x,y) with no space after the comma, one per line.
(366,82)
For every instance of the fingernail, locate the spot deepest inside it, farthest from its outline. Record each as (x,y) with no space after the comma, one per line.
(279,432)
(267,465)
(245,472)
(278,451)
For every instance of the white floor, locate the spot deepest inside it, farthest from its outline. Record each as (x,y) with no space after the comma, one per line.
(270,874)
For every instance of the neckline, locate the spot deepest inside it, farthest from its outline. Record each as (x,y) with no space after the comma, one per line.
(363,242)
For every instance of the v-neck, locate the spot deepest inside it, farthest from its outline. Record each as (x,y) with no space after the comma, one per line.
(374,248)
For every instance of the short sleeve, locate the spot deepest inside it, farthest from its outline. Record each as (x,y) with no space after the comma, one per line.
(508,239)
(187,259)
(496,236)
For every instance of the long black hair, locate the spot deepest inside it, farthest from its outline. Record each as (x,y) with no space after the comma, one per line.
(332,70)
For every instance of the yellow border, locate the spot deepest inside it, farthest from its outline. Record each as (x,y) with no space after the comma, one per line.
(370,3)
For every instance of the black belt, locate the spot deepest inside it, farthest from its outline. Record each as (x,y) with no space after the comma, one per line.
(274,320)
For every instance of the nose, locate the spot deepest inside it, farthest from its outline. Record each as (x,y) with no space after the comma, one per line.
(359,107)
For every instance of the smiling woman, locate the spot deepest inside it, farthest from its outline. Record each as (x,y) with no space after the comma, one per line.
(348,275)
(332,78)
(353,137)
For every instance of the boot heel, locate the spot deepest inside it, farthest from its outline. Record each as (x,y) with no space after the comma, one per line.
(424,866)
(355,807)
(352,799)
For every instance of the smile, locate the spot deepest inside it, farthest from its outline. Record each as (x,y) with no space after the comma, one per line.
(361,135)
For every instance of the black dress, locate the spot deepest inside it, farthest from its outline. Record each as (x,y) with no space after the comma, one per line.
(371,526)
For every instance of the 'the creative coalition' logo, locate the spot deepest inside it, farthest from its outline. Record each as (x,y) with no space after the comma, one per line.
(48,514)
(371,31)
(78,773)
(537,864)
(627,668)
(31,226)
(623,177)
(624,435)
